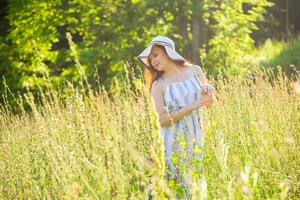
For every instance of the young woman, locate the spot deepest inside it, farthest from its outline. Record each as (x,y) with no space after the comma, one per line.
(178,89)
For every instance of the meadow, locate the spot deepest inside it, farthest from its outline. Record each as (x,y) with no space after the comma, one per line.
(105,143)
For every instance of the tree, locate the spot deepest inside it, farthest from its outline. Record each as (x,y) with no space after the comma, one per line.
(234,21)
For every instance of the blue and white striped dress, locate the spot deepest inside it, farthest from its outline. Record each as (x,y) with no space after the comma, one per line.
(184,140)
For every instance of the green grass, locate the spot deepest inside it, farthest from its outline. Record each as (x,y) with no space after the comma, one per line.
(274,53)
(103,145)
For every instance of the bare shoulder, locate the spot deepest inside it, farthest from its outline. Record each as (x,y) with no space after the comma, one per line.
(197,69)
(157,87)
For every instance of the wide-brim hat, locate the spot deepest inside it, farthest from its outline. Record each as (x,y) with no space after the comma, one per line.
(163,41)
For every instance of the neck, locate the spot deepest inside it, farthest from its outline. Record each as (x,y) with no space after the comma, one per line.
(172,70)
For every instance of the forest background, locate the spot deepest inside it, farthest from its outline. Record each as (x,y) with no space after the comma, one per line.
(233,37)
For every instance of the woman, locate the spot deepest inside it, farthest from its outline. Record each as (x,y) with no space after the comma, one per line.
(178,89)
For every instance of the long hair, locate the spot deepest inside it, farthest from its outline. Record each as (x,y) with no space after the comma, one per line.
(151,74)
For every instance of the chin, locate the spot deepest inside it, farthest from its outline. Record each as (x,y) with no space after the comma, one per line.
(158,68)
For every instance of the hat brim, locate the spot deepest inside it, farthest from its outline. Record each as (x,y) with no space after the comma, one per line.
(171,53)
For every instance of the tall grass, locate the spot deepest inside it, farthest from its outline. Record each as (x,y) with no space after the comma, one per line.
(106,145)
(252,139)
(84,146)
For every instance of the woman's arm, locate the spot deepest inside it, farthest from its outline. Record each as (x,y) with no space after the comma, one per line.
(208,89)
(166,118)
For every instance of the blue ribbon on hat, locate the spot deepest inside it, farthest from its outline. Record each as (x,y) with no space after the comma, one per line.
(163,43)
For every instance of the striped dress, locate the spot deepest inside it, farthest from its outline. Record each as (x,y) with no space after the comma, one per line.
(184,140)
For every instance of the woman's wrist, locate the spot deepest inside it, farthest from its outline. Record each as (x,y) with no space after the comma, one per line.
(181,113)
(192,107)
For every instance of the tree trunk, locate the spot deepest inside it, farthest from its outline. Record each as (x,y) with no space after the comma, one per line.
(196,39)
(199,30)
(184,34)
(203,32)
(287,20)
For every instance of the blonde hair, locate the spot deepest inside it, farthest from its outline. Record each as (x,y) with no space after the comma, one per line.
(151,74)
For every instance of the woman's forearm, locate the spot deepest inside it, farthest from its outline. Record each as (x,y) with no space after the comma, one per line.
(168,119)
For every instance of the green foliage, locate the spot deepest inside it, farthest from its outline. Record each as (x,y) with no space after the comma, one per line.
(108,36)
(104,40)
(234,22)
(281,54)
(278,56)
(31,36)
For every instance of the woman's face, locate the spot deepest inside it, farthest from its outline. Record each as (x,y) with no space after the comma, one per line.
(158,58)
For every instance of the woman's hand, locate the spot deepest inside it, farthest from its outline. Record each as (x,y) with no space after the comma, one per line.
(208,88)
(205,98)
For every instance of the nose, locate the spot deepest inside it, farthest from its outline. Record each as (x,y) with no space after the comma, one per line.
(154,61)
